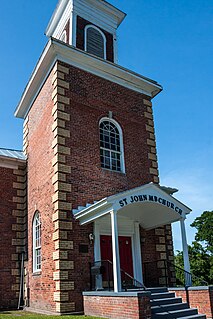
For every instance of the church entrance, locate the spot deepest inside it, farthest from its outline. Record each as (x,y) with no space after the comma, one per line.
(125,251)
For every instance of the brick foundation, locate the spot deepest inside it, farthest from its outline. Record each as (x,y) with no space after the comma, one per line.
(120,305)
(197,297)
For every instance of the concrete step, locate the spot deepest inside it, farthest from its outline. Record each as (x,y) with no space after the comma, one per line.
(162,295)
(194,317)
(169,307)
(165,301)
(157,289)
(175,314)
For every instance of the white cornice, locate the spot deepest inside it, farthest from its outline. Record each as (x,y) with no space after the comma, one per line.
(57,50)
(13,163)
(57,15)
(98,12)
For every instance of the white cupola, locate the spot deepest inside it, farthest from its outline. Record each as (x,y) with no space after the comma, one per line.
(89,25)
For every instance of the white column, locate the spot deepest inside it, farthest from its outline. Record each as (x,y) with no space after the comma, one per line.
(188,280)
(115,252)
(137,254)
(97,247)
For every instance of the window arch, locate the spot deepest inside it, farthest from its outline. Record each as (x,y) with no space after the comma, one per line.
(95,41)
(36,242)
(111,145)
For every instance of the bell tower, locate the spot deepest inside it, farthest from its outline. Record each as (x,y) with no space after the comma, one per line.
(88,25)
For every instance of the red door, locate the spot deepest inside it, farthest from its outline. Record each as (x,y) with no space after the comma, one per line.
(125,251)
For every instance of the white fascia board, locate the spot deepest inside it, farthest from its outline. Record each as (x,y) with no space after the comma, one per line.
(93,215)
(96,11)
(97,206)
(57,14)
(37,79)
(108,8)
(58,50)
(152,186)
(59,27)
(99,14)
(13,163)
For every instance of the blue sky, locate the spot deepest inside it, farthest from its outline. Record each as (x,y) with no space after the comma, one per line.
(168,41)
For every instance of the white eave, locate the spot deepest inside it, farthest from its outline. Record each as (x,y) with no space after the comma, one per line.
(57,50)
(11,158)
(148,204)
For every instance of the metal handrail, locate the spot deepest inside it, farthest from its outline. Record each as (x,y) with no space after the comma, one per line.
(190,274)
(135,282)
(188,279)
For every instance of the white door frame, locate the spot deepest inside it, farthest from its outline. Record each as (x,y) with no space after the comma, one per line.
(134,233)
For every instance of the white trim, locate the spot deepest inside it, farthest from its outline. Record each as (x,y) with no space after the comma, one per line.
(98,12)
(12,163)
(115,48)
(137,260)
(97,245)
(64,34)
(121,141)
(88,26)
(188,281)
(147,204)
(115,252)
(73,32)
(57,50)
(103,227)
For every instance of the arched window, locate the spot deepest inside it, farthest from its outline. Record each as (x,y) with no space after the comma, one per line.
(95,41)
(111,145)
(36,242)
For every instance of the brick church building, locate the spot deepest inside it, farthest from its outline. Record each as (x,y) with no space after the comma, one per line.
(82,208)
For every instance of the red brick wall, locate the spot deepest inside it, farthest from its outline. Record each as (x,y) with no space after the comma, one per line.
(91,98)
(40,191)
(198,298)
(8,296)
(117,307)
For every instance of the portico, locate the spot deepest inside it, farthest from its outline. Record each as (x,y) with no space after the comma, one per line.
(149,206)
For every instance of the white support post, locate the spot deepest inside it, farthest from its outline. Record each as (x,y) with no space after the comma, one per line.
(115,252)
(138,274)
(188,279)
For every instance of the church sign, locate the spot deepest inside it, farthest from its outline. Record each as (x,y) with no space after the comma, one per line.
(149,198)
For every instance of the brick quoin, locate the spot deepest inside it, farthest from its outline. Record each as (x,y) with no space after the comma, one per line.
(40,190)
(9,258)
(91,98)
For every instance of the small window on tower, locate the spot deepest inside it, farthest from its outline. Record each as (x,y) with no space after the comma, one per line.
(95,41)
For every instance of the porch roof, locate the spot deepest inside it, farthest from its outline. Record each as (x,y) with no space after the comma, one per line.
(149,204)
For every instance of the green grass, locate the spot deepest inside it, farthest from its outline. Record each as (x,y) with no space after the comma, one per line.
(25,314)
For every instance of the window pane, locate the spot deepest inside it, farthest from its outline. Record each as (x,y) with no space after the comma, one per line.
(37,242)
(110,146)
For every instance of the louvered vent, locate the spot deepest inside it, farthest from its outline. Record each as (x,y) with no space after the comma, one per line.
(95,42)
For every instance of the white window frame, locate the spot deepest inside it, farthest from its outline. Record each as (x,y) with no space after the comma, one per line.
(122,163)
(85,37)
(36,247)
(63,35)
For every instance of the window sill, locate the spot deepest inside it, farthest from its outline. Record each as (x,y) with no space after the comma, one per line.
(112,171)
(36,273)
